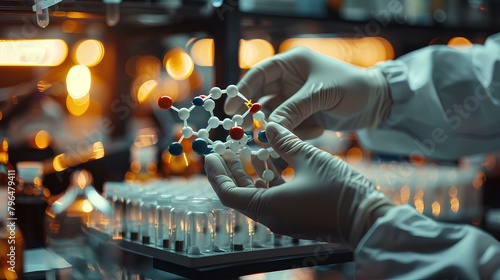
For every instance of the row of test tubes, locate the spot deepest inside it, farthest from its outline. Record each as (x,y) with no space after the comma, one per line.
(181,215)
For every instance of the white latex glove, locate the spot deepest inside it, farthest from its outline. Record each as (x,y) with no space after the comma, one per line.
(312,92)
(326,200)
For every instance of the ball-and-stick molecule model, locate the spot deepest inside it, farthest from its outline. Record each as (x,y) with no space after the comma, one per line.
(237,140)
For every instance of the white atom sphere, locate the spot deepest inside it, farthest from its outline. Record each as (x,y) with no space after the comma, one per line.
(209,105)
(187,131)
(259,116)
(213,122)
(227,123)
(232,91)
(238,119)
(263,154)
(245,152)
(184,114)
(228,138)
(244,140)
(234,146)
(274,154)
(215,92)
(203,133)
(268,175)
(219,148)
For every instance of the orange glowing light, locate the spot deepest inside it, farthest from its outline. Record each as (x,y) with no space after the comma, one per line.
(419,205)
(479,180)
(77,107)
(288,173)
(87,207)
(436,208)
(202,52)
(43,52)
(59,163)
(364,52)
(354,155)
(83,178)
(97,150)
(404,194)
(178,63)
(459,43)
(78,81)
(454,204)
(42,139)
(145,90)
(89,52)
(252,52)
(69,26)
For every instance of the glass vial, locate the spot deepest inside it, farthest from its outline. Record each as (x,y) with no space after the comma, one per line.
(200,223)
(177,228)
(243,232)
(42,15)
(148,209)
(162,219)
(224,226)
(133,214)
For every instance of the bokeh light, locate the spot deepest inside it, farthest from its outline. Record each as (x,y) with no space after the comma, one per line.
(59,163)
(77,107)
(89,52)
(354,155)
(178,64)
(145,90)
(436,208)
(78,81)
(364,52)
(202,52)
(253,52)
(43,52)
(459,43)
(42,139)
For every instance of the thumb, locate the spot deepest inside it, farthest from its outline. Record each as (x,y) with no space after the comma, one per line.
(290,148)
(238,198)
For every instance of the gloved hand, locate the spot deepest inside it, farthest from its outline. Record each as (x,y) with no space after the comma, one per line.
(312,92)
(326,200)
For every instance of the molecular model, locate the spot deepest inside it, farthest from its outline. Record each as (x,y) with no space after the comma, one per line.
(237,139)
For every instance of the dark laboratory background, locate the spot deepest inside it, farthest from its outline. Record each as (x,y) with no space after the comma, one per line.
(79,87)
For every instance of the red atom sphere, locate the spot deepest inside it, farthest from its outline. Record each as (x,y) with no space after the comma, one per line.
(165,102)
(236,132)
(203,96)
(255,108)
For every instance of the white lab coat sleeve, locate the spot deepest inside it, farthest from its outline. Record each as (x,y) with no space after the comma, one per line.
(404,244)
(446,103)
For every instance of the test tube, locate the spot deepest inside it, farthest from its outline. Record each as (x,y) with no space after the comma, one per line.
(243,231)
(112,12)
(177,229)
(42,15)
(200,225)
(148,209)
(133,213)
(224,226)
(162,220)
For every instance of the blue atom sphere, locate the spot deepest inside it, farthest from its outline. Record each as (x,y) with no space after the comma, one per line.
(200,146)
(249,136)
(262,136)
(175,149)
(198,101)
